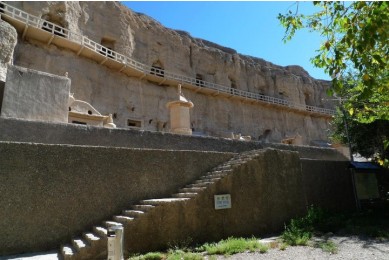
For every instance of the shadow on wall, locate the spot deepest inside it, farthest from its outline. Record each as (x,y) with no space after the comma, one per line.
(266,192)
(69,189)
(265,137)
(2,84)
(59,191)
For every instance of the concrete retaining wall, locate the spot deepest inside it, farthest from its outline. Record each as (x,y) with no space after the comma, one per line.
(50,193)
(265,193)
(40,132)
(311,152)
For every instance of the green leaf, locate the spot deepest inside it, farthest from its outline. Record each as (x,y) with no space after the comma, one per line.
(351,111)
(386,144)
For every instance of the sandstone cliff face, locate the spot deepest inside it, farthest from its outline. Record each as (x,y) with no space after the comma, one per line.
(144,39)
(8,39)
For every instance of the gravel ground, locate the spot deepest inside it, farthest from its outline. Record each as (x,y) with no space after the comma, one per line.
(351,248)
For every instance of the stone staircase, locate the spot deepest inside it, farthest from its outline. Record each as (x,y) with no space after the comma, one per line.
(93,245)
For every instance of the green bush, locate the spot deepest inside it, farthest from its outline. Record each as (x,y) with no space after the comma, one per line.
(182,255)
(263,248)
(233,246)
(300,230)
(149,256)
(329,247)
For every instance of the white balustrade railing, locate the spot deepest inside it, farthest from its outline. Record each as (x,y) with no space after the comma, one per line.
(84,41)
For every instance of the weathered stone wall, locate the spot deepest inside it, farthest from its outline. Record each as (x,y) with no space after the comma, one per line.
(50,193)
(311,152)
(265,194)
(147,41)
(40,132)
(8,39)
(59,191)
(34,95)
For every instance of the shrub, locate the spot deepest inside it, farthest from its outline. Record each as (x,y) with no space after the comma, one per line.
(182,255)
(300,230)
(149,256)
(329,247)
(234,245)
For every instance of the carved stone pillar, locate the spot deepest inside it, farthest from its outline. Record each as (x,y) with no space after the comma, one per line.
(179,114)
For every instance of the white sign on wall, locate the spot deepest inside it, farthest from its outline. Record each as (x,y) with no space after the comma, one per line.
(223,201)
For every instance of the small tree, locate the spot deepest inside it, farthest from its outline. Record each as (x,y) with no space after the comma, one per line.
(355,53)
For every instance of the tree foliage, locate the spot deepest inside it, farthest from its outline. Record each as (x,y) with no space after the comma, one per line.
(367,139)
(355,53)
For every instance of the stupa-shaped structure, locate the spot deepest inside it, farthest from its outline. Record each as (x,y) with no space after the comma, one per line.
(179,114)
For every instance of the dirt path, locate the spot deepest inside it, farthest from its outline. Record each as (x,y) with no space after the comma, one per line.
(349,248)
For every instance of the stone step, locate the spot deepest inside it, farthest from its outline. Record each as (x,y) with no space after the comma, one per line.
(214,175)
(220,172)
(190,190)
(203,184)
(144,207)
(96,246)
(202,181)
(210,179)
(163,201)
(133,213)
(238,162)
(79,244)
(111,223)
(91,238)
(67,252)
(223,167)
(123,219)
(227,170)
(185,195)
(247,155)
(247,158)
(100,231)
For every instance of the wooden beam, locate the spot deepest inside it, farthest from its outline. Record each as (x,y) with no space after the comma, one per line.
(122,68)
(80,50)
(51,39)
(101,63)
(24,31)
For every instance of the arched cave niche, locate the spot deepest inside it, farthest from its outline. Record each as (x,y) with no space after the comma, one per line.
(265,136)
(199,80)
(108,47)
(157,69)
(308,99)
(53,25)
(232,84)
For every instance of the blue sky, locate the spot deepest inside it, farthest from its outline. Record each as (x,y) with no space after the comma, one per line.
(251,28)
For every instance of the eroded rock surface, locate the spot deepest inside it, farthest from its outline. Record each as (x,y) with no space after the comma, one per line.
(146,40)
(8,39)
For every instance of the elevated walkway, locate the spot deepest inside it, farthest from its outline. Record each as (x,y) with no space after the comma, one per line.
(73,134)
(32,27)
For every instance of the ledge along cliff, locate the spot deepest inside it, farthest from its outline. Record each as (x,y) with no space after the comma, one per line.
(287,105)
